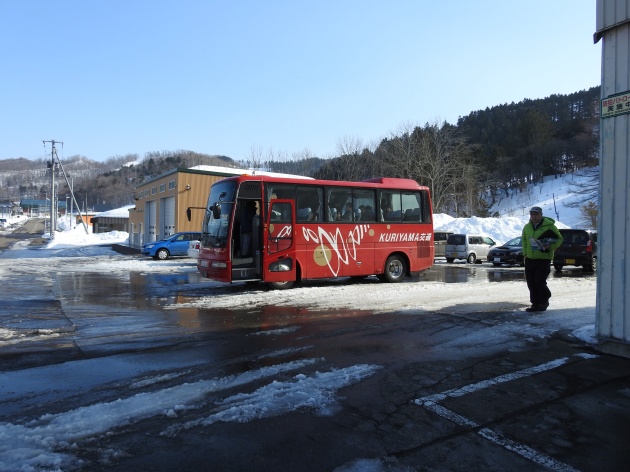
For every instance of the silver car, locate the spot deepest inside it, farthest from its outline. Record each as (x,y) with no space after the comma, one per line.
(470,247)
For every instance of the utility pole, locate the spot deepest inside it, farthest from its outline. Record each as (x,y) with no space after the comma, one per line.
(71,201)
(53,166)
(53,194)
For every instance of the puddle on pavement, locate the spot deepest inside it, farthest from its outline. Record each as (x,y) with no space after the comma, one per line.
(467,273)
(141,290)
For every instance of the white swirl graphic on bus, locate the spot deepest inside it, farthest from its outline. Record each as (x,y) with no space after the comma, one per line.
(344,248)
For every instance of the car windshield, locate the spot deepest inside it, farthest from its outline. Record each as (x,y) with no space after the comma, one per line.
(514,242)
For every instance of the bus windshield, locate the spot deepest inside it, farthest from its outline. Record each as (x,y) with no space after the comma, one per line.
(215,229)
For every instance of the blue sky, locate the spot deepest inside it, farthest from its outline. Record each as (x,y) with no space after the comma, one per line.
(116,77)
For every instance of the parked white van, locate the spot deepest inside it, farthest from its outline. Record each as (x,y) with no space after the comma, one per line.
(471,247)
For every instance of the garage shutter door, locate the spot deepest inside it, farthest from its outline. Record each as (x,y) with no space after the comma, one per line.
(168,216)
(149,222)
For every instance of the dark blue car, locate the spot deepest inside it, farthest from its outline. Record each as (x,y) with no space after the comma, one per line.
(510,253)
(175,245)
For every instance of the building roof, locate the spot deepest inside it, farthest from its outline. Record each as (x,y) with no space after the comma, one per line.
(122,212)
(219,171)
(214,170)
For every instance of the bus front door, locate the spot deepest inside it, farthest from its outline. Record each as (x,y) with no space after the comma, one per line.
(279,263)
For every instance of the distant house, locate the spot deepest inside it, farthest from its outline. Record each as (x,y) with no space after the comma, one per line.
(37,208)
(111,220)
(8,209)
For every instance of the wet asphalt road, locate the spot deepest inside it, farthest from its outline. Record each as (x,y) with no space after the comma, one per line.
(538,404)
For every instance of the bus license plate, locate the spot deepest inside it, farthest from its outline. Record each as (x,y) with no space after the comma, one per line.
(570,261)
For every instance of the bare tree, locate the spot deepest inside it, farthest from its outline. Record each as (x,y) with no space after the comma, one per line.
(589,214)
(349,146)
(587,189)
(437,156)
(255,158)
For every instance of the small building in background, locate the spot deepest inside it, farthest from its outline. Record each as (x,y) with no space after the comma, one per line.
(38,208)
(9,209)
(111,220)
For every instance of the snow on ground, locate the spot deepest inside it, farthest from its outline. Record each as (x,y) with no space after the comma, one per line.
(47,443)
(552,195)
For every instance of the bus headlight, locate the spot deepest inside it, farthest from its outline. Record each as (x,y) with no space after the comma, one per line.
(284,265)
(219,265)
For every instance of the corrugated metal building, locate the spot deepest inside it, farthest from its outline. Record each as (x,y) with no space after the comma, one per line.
(161,202)
(613,280)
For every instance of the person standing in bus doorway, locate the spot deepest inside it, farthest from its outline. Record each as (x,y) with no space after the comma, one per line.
(247,216)
(540,238)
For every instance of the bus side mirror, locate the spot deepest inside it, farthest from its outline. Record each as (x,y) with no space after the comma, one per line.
(216,211)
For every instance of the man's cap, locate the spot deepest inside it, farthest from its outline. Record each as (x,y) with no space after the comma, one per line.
(535,210)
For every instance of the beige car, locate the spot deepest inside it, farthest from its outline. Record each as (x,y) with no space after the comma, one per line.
(470,247)
(439,242)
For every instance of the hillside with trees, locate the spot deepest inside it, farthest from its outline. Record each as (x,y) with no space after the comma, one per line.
(468,166)
(489,152)
(110,183)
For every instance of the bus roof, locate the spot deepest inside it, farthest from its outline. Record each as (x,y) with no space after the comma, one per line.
(390,182)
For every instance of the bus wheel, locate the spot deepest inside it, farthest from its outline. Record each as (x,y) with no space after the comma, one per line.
(395,269)
(281,285)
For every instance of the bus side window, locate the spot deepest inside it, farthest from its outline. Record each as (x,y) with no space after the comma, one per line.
(309,202)
(303,214)
(390,202)
(412,214)
(281,212)
(410,202)
(332,213)
(363,203)
(337,198)
(368,214)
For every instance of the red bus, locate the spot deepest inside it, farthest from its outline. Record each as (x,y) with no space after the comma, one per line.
(282,230)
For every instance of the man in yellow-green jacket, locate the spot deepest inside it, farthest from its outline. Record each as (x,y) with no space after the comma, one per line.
(540,239)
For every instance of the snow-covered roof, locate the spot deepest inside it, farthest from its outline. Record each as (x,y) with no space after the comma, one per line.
(122,212)
(234,171)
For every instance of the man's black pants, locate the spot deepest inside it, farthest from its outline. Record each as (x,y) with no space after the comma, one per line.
(536,273)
